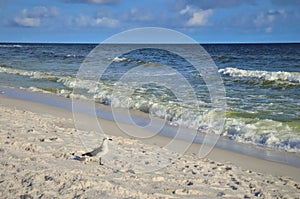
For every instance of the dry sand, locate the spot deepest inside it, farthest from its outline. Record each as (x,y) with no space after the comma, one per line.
(40,158)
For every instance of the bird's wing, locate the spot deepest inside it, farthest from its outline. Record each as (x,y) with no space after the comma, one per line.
(93,152)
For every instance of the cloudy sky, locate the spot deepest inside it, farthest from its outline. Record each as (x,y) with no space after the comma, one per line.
(206,21)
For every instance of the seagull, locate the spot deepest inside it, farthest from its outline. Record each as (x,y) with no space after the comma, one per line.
(99,151)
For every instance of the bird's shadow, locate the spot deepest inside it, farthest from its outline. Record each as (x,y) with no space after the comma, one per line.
(78,158)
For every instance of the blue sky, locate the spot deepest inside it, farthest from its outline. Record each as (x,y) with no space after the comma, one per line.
(206,21)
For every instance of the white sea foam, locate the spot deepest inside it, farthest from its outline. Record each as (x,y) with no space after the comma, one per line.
(266,132)
(10,46)
(270,133)
(31,74)
(120,59)
(70,55)
(35,89)
(289,77)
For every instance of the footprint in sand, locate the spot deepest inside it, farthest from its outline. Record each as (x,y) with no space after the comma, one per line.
(51,139)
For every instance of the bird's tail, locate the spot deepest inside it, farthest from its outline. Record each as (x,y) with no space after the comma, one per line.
(87,154)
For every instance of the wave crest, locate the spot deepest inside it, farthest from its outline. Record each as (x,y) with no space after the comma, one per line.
(280,76)
(31,74)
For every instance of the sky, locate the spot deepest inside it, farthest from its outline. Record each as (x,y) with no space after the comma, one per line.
(206,21)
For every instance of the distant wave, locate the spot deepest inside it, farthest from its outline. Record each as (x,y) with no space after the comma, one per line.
(10,46)
(137,62)
(125,59)
(288,77)
(62,55)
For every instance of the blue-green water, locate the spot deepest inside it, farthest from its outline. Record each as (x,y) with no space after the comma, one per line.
(262,83)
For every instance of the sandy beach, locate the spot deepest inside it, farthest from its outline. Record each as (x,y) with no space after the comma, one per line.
(41,158)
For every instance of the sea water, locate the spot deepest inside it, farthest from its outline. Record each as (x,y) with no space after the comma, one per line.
(262,83)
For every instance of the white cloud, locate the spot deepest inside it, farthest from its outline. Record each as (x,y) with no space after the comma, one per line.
(141,15)
(101,1)
(85,21)
(187,9)
(33,17)
(105,21)
(81,20)
(40,12)
(213,4)
(28,22)
(92,1)
(267,19)
(268,29)
(200,18)
(197,17)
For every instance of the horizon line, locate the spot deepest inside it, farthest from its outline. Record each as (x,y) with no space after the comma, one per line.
(204,43)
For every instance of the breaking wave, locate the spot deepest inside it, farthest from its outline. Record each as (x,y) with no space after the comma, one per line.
(264,132)
(31,74)
(161,103)
(280,76)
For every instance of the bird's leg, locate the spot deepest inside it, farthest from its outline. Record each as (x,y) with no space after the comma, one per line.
(100,163)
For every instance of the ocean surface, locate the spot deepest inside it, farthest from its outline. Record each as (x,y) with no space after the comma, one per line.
(262,83)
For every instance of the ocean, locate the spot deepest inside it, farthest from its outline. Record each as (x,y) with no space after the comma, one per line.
(262,84)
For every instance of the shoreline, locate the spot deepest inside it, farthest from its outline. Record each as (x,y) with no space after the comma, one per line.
(41,158)
(217,154)
(142,119)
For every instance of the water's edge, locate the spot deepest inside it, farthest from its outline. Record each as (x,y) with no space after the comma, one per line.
(103,112)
